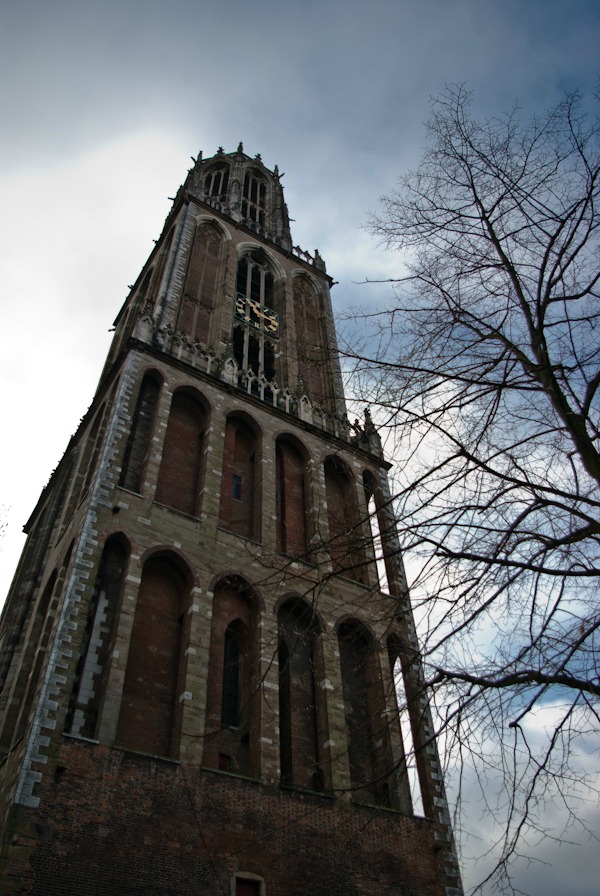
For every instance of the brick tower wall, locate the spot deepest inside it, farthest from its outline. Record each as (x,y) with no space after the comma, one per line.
(117,822)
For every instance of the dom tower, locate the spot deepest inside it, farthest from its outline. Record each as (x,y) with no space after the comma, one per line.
(199,664)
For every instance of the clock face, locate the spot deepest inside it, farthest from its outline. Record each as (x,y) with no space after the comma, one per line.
(257,316)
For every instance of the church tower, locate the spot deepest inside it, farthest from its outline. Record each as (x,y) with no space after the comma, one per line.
(209,682)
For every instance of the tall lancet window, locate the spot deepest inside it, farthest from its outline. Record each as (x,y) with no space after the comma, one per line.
(372,770)
(201,284)
(240,482)
(150,713)
(180,475)
(291,488)
(234,688)
(256,328)
(346,540)
(309,339)
(93,668)
(254,200)
(138,444)
(301,705)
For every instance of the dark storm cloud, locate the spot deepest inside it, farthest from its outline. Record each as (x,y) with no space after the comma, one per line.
(346,74)
(335,92)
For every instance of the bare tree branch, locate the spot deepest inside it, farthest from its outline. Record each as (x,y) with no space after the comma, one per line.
(485,370)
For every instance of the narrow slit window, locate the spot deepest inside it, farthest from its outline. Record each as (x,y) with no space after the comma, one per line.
(230,707)
(236,487)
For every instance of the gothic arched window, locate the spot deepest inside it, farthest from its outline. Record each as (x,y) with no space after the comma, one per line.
(152,289)
(366,722)
(309,339)
(291,499)
(301,715)
(380,518)
(240,510)
(256,326)
(93,666)
(410,772)
(179,477)
(149,705)
(144,290)
(24,592)
(138,445)
(216,181)
(232,700)
(87,466)
(19,698)
(201,284)
(254,199)
(346,544)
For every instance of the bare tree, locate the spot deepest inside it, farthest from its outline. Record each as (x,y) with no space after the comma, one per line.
(486,369)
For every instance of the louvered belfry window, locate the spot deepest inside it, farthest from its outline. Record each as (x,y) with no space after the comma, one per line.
(256,327)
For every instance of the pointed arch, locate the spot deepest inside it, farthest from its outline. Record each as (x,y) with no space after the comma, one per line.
(140,435)
(255,197)
(369,754)
(87,465)
(301,706)
(19,700)
(310,339)
(160,264)
(346,543)
(257,313)
(201,283)
(216,181)
(291,497)
(31,669)
(180,474)
(41,533)
(240,482)
(91,677)
(149,716)
(379,524)
(412,775)
(144,290)
(232,700)
(264,256)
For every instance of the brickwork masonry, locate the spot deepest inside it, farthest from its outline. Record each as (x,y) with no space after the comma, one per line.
(120,822)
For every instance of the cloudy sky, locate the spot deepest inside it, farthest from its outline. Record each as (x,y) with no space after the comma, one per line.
(104,103)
